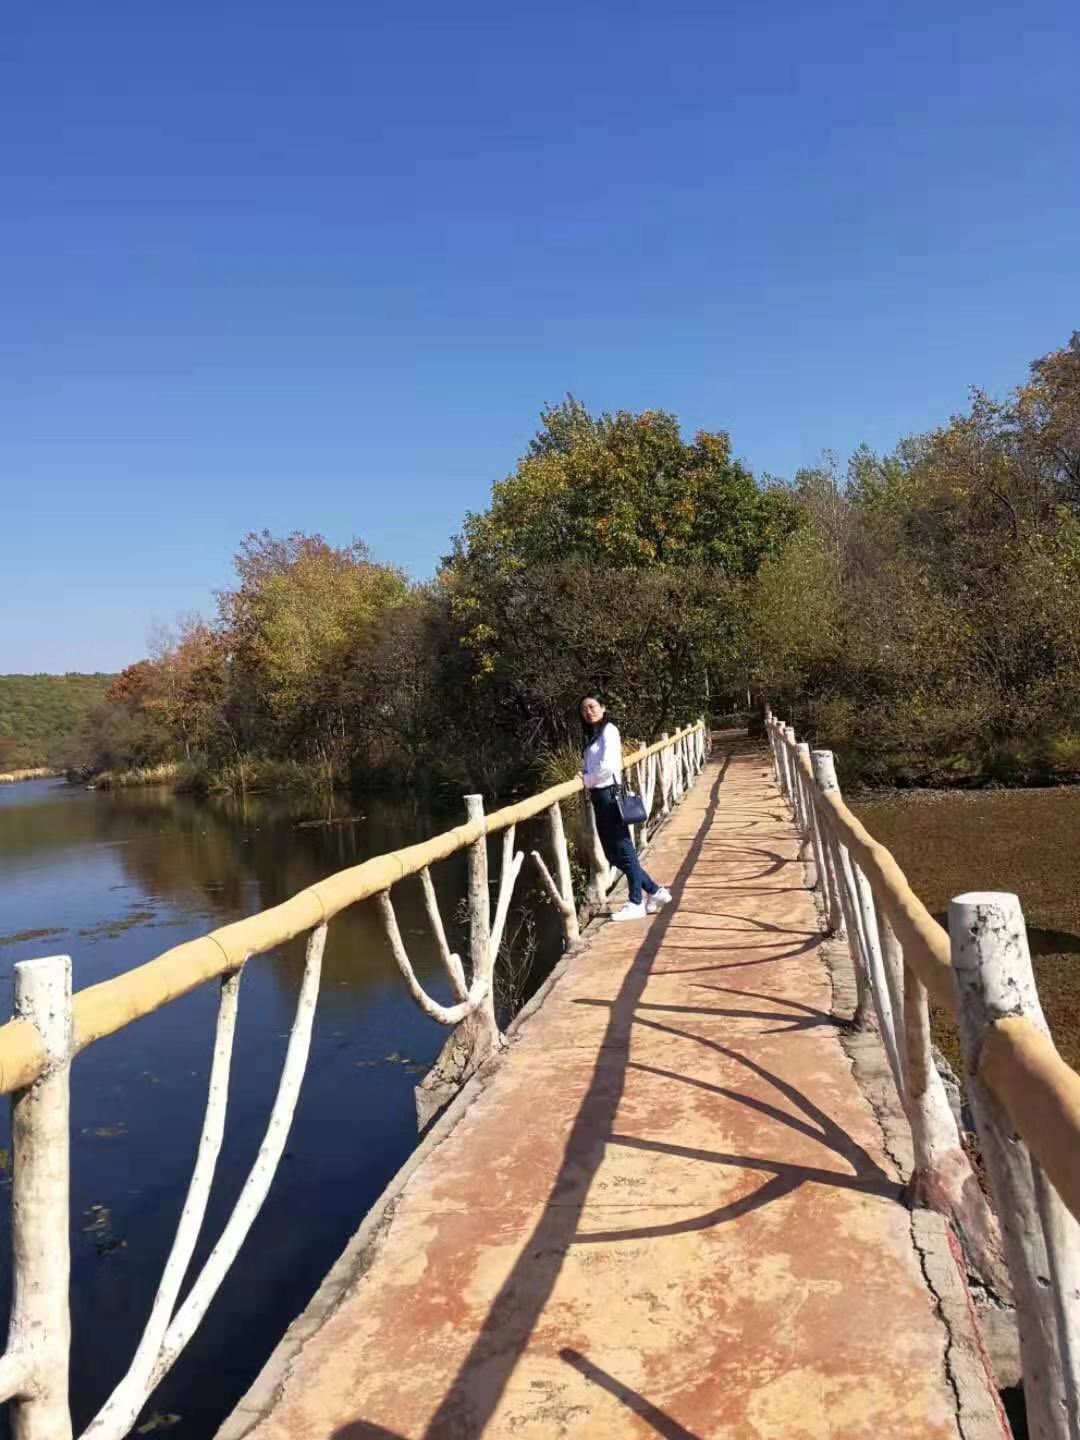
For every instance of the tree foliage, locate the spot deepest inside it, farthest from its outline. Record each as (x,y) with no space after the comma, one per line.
(612,559)
(926,616)
(39,715)
(920,611)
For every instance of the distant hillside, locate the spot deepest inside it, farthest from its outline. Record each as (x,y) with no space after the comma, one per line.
(40,713)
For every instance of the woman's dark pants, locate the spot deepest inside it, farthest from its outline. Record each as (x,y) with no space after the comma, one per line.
(618,846)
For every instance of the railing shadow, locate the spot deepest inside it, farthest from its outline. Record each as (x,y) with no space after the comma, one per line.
(772,859)
(784,954)
(748,920)
(476,1390)
(866,1174)
(660,1421)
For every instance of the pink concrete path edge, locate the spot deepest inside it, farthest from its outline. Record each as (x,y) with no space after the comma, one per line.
(668,1211)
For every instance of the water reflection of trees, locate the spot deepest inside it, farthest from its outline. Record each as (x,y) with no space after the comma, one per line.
(203,863)
(215,859)
(63,819)
(227,858)
(231,858)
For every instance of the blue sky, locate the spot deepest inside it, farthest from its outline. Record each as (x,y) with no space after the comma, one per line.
(318,266)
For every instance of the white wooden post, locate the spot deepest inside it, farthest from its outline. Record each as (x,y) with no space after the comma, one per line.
(480,956)
(770,732)
(785,763)
(508,873)
(775,748)
(119,1413)
(451,962)
(942,1178)
(782,759)
(562,870)
(825,775)
(444,1014)
(1042,1240)
(642,836)
(259,1178)
(599,869)
(778,751)
(835,903)
(665,777)
(562,893)
(473,1040)
(821,869)
(892,954)
(793,776)
(40,1326)
(807,848)
(929,1136)
(879,985)
(892,969)
(778,756)
(786,734)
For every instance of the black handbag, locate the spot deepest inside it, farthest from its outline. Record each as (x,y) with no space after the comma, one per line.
(631,806)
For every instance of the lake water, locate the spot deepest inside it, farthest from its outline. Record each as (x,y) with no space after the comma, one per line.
(117,878)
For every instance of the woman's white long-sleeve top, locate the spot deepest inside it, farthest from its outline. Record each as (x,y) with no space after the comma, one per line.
(603,758)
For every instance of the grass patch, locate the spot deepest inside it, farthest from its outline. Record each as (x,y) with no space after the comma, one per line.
(1019,761)
(1022,841)
(21,937)
(257,774)
(165,774)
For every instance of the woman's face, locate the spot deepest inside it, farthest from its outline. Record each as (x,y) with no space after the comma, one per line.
(592,711)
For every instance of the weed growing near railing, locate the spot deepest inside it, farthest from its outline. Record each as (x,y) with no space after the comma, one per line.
(515,960)
(164,774)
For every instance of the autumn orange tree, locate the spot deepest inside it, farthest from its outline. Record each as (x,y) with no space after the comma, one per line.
(295,628)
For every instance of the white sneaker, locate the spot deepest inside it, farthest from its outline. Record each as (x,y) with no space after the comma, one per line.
(630,912)
(657,902)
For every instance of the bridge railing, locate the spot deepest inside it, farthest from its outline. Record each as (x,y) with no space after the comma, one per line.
(51,1027)
(1025,1098)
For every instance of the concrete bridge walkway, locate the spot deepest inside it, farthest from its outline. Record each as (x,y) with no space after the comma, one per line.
(669,1212)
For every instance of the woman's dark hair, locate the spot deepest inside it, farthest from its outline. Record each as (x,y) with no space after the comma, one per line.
(589,732)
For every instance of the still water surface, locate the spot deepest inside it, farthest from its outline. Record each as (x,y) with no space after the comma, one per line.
(115,879)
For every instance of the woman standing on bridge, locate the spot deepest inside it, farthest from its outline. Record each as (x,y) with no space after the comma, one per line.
(602,777)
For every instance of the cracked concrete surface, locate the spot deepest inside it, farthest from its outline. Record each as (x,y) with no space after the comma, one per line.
(668,1210)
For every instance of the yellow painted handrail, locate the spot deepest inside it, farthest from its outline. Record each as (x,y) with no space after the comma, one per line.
(1038,1091)
(102,1009)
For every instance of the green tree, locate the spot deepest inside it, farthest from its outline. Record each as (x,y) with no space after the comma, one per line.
(550,587)
(41,714)
(926,615)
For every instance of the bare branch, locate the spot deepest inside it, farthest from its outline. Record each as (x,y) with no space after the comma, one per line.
(444,1014)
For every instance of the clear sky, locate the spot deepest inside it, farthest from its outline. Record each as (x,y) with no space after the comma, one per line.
(318,265)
